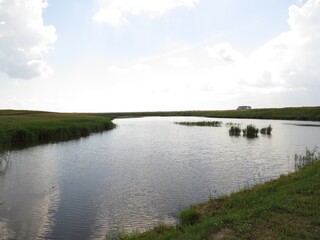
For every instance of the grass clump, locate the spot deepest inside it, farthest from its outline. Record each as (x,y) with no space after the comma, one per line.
(286,208)
(266,130)
(235,131)
(189,216)
(250,131)
(201,123)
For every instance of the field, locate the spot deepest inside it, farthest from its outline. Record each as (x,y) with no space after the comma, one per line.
(297,113)
(19,128)
(286,208)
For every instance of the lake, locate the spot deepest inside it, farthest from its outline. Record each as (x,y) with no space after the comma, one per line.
(138,175)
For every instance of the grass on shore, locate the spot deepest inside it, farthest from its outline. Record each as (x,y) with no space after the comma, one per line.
(286,208)
(289,113)
(19,128)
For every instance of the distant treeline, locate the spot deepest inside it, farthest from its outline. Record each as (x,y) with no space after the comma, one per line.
(20,128)
(289,113)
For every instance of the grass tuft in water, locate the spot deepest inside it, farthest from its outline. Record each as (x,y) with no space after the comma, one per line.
(235,131)
(250,131)
(266,130)
(201,124)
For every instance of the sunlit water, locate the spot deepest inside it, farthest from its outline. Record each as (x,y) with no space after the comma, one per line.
(137,176)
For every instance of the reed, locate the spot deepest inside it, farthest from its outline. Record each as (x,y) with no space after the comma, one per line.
(201,123)
(266,130)
(250,131)
(235,131)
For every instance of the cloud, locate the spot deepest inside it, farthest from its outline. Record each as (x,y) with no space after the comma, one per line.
(224,52)
(24,39)
(178,62)
(291,60)
(114,12)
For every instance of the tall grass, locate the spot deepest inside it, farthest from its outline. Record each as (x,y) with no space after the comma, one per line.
(308,158)
(24,128)
(235,131)
(250,131)
(266,130)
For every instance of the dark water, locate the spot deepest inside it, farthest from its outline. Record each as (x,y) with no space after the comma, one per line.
(137,176)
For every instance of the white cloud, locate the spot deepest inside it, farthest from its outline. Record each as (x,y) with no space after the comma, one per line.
(224,52)
(291,60)
(24,39)
(178,62)
(114,12)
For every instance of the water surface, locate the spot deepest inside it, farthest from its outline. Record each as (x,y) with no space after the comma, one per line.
(138,175)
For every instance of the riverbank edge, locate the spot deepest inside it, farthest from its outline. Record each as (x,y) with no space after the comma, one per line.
(29,128)
(288,113)
(285,208)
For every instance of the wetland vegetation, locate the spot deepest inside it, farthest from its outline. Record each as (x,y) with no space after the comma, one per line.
(201,123)
(19,128)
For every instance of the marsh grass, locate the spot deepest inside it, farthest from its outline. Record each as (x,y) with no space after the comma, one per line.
(235,131)
(232,124)
(250,131)
(201,123)
(286,208)
(19,128)
(308,158)
(266,130)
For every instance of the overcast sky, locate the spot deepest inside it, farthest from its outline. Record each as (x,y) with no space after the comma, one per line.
(152,55)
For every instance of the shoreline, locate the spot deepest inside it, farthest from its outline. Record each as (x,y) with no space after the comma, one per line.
(284,208)
(28,128)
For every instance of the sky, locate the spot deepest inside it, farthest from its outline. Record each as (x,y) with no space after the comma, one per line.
(151,55)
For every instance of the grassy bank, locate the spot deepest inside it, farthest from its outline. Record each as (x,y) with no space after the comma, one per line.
(297,113)
(286,208)
(19,128)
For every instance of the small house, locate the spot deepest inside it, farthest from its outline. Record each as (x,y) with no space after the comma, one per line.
(244,108)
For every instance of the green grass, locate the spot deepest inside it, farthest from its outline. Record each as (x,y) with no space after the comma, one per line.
(19,128)
(235,131)
(289,113)
(250,131)
(286,208)
(266,130)
(201,124)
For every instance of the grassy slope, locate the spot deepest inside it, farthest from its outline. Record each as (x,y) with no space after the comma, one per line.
(286,208)
(31,127)
(298,113)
